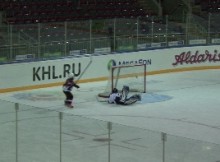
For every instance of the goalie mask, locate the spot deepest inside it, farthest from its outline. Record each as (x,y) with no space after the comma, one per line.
(115,90)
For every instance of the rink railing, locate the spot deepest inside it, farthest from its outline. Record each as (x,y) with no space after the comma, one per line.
(35,134)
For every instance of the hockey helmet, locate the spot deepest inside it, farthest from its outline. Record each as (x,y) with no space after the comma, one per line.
(71,76)
(115,90)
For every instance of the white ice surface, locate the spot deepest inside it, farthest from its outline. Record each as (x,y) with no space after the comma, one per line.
(185,104)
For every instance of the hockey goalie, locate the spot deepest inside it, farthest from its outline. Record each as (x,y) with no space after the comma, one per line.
(122,98)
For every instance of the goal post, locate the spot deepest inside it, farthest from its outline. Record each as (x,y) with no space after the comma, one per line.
(132,75)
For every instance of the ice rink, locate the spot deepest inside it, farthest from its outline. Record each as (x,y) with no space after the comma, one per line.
(185,104)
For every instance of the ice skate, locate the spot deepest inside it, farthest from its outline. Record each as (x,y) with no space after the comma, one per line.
(69,105)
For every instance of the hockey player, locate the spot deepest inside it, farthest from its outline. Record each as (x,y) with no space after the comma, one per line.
(122,99)
(115,97)
(67,88)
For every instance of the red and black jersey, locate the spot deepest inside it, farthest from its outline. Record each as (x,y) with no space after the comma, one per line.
(69,84)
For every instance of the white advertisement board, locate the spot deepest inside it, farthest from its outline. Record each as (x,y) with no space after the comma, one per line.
(54,72)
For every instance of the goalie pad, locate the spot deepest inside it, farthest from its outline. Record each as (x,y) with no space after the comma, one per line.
(131,100)
(136,96)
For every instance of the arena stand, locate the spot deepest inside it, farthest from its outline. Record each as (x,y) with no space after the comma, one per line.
(54,28)
(33,11)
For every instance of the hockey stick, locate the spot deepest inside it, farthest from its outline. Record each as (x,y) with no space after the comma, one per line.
(90,62)
(101,99)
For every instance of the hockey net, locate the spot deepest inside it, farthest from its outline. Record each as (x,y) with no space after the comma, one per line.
(133,76)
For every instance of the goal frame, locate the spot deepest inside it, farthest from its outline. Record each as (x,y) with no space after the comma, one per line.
(127,75)
(142,73)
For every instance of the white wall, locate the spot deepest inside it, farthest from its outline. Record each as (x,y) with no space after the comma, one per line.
(45,73)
